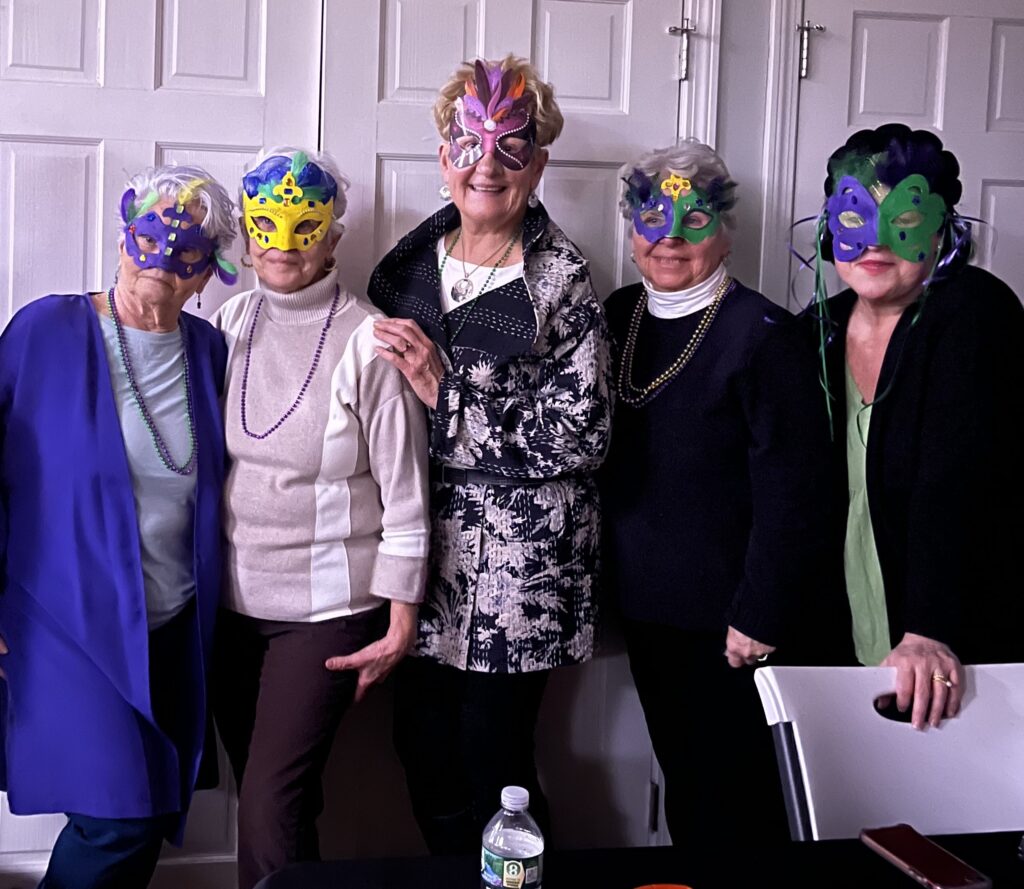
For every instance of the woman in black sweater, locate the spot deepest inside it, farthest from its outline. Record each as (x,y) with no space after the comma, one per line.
(928,353)
(712,494)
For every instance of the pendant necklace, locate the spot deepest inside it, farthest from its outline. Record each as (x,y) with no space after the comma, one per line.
(463,288)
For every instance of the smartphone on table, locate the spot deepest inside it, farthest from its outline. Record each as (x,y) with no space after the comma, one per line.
(925,861)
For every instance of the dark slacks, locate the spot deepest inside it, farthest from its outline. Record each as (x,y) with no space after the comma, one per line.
(711,739)
(106,853)
(277,709)
(122,853)
(462,736)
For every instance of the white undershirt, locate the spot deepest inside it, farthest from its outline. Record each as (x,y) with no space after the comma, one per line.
(452,272)
(663,304)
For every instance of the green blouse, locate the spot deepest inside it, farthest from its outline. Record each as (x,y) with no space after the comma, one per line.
(864,585)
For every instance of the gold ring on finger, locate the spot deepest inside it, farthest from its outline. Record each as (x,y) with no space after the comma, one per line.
(942,678)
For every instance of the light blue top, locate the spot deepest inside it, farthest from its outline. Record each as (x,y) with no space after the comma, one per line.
(164,500)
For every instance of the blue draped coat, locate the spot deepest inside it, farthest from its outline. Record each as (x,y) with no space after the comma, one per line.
(76,717)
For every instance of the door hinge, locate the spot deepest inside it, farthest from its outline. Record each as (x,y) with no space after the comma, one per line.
(683,32)
(805,41)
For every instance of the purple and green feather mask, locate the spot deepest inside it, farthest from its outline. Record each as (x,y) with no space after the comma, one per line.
(863,212)
(667,205)
(493,116)
(170,240)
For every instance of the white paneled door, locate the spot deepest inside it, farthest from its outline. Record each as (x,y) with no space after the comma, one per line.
(616,69)
(90,91)
(616,72)
(939,65)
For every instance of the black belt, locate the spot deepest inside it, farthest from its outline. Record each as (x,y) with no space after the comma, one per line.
(451,475)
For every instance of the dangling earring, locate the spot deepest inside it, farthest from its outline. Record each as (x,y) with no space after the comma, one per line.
(532,201)
(331,264)
(444,192)
(199,299)
(246,256)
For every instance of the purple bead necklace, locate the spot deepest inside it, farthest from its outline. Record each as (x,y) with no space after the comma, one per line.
(158,441)
(306,382)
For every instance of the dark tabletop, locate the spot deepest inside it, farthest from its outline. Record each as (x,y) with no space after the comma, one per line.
(836,864)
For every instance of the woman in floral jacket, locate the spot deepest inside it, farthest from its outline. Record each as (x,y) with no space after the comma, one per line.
(496,326)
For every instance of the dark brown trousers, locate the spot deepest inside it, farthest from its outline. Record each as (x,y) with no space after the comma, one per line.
(277,709)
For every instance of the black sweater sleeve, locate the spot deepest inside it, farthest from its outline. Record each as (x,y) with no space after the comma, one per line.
(788,460)
(974,394)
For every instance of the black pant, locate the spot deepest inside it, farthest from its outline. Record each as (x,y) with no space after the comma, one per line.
(277,709)
(711,739)
(462,736)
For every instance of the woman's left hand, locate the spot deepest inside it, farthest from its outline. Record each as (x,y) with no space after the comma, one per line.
(378,659)
(928,675)
(742,651)
(413,353)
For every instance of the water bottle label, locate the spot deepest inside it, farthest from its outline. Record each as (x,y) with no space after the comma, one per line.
(510,873)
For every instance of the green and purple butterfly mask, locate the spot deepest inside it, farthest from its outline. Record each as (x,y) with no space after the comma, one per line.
(667,205)
(904,219)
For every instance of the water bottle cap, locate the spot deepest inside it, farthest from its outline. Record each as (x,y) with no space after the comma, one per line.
(516,799)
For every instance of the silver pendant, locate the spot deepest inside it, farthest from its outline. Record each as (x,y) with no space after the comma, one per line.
(462,289)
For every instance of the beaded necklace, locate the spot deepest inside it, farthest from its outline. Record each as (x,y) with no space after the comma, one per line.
(448,252)
(309,376)
(638,396)
(463,288)
(129,371)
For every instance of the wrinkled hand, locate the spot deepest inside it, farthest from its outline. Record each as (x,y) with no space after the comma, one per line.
(3,650)
(742,651)
(917,659)
(413,353)
(378,659)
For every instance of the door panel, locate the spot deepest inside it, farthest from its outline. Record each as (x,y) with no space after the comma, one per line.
(615,72)
(91,92)
(926,63)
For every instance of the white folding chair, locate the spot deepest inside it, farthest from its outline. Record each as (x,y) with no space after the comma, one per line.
(844,766)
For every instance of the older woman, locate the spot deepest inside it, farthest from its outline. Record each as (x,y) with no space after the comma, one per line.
(924,351)
(710,494)
(325,509)
(497,328)
(111,467)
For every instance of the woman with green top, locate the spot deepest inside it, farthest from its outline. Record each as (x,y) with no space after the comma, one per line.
(921,359)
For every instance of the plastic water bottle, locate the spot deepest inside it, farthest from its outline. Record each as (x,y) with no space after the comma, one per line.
(512,856)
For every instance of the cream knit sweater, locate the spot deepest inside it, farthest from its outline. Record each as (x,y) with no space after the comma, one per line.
(328,515)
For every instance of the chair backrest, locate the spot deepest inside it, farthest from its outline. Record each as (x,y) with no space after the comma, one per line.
(844,766)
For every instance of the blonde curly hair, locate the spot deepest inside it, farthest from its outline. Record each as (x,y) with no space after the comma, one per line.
(543,108)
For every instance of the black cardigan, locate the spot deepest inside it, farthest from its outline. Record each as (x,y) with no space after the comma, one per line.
(944,474)
(714,495)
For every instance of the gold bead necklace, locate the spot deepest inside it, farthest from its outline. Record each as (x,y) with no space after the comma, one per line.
(638,396)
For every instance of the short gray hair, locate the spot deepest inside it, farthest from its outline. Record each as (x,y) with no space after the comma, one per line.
(692,160)
(170,180)
(323,160)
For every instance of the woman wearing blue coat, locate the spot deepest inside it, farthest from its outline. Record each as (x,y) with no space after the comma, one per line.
(111,464)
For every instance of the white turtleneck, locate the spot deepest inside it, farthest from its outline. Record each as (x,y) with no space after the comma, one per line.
(677,303)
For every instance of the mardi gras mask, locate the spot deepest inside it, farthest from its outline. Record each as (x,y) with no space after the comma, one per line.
(493,117)
(173,243)
(171,240)
(288,203)
(670,206)
(905,221)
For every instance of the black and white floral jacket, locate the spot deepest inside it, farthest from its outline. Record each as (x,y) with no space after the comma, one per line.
(526,394)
